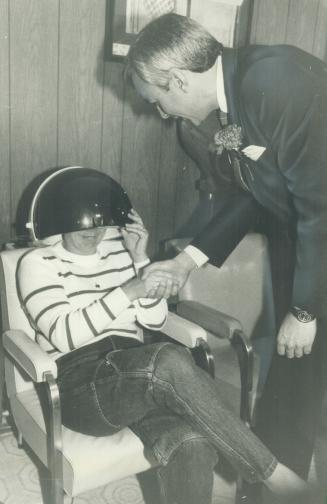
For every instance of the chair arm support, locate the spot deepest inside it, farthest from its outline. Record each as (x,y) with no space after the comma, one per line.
(224,326)
(210,319)
(29,355)
(244,351)
(55,458)
(184,331)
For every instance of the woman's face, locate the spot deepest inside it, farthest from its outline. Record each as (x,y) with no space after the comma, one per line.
(83,242)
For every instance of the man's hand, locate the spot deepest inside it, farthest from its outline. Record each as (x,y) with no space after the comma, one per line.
(160,285)
(295,338)
(174,273)
(155,285)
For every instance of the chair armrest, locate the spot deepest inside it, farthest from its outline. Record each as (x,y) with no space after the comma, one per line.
(184,331)
(41,368)
(224,326)
(29,355)
(210,319)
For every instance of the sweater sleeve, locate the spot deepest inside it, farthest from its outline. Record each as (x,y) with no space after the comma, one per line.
(51,311)
(151,313)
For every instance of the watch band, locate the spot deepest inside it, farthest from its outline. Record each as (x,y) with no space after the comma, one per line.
(302,315)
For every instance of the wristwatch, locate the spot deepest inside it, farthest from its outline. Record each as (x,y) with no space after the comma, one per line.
(302,315)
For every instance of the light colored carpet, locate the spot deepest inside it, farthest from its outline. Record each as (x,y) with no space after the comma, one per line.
(21,480)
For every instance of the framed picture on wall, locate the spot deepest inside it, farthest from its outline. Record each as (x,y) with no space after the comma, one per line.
(125,18)
(227,20)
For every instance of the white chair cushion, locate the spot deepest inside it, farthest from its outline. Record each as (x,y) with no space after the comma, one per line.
(88,461)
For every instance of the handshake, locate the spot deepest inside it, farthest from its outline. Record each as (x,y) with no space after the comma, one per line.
(159,283)
(160,279)
(164,279)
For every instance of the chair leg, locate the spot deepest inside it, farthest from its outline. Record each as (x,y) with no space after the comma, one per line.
(54,442)
(67,500)
(247,493)
(244,354)
(4,425)
(239,496)
(20,439)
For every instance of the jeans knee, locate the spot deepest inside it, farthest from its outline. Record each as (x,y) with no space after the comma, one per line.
(173,361)
(188,476)
(198,453)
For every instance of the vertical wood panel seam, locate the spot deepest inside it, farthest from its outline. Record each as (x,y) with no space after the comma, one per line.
(256,14)
(10,209)
(287,19)
(125,83)
(249,24)
(102,109)
(315,27)
(58,81)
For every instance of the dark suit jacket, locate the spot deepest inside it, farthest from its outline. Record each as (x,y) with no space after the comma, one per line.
(278,94)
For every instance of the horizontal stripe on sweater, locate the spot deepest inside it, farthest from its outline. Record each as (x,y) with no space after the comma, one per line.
(42,289)
(91,291)
(47,308)
(150,305)
(117,252)
(93,275)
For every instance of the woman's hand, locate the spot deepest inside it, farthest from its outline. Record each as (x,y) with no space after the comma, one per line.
(171,275)
(136,237)
(154,286)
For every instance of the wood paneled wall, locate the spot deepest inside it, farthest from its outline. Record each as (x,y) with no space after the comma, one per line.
(302,23)
(60,104)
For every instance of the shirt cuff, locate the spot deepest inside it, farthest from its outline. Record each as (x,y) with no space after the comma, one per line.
(198,257)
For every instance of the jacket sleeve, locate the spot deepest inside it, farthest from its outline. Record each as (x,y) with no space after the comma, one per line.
(302,157)
(235,217)
(293,115)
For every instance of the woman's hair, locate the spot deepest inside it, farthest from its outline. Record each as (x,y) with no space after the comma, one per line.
(171,41)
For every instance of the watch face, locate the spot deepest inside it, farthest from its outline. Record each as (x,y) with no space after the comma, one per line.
(304,316)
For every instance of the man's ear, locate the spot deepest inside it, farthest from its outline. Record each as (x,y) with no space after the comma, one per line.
(178,80)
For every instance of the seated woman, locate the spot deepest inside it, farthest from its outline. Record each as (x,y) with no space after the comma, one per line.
(89,306)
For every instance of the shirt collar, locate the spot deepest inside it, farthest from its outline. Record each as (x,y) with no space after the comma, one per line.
(81,260)
(221,96)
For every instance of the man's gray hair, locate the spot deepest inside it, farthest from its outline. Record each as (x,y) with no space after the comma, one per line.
(171,41)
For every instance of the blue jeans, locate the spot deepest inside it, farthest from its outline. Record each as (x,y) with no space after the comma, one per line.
(159,392)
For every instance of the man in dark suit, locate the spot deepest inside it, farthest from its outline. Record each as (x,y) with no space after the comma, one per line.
(278,95)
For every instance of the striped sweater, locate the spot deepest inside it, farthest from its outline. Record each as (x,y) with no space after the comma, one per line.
(73,300)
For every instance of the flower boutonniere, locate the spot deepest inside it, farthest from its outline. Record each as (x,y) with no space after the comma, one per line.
(229,138)
(227,145)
